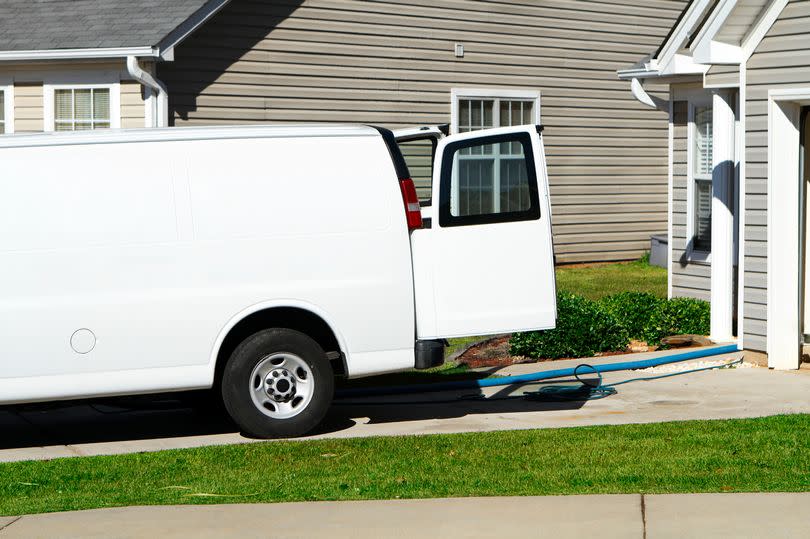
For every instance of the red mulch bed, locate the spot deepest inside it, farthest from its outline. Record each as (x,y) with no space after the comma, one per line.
(495,353)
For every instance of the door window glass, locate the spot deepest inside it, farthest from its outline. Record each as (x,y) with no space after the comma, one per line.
(489,179)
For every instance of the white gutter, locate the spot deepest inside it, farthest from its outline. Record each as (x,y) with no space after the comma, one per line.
(77,54)
(646,99)
(161,116)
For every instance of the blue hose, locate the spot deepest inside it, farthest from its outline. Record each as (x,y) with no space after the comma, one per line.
(533,377)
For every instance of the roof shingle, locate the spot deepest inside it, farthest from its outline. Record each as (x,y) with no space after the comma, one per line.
(79,24)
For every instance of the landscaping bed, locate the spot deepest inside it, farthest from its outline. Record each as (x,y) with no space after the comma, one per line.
(627,322)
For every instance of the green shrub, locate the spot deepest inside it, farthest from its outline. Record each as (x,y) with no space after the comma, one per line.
(634,311)
(680,316)
(584,327)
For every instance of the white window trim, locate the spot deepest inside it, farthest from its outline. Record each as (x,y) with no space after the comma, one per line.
(115,100)
(692,254)
(8,106)
(495,94)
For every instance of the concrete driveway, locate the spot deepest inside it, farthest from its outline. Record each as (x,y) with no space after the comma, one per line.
(680,516)
(140,424)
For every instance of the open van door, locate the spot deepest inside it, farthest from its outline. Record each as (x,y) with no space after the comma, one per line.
(486,264)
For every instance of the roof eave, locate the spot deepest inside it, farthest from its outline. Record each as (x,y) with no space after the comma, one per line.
(78,54)
(187,27)
(640,73)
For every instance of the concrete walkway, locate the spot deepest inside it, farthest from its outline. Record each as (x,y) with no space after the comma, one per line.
(151,424)
(620,516)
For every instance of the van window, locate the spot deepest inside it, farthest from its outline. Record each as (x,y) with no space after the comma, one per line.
(489,180)
(418,154)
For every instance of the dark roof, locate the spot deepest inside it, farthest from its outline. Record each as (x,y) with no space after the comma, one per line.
(80,24)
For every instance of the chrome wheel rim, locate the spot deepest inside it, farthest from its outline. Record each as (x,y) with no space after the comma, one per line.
(281,385)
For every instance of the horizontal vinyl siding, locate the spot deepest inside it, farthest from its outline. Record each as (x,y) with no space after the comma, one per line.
(689,279)
(781,60)
(722,76)
(392,63)
(28,80)
(29,111)
(132,105)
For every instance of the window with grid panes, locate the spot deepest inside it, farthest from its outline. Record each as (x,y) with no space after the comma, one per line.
(492,178)
(702,175)
(79,109)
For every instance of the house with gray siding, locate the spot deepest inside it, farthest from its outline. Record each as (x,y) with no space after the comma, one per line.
(96,64)
(738,73)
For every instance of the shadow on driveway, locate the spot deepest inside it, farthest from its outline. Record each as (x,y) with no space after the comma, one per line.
(189,414)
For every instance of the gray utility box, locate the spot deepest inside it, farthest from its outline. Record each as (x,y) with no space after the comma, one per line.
(658,250)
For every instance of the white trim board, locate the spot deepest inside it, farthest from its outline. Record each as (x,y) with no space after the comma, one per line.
(784,219)
(741,160)
(76,54)
(8,107)
(670,191)
(705,49)
(692,17)
(696,99)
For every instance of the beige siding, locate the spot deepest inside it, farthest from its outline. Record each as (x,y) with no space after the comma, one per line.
(781,61)
(132,105)
(28,80)
(28,108)
(689,279)
(722,76)
(392,63)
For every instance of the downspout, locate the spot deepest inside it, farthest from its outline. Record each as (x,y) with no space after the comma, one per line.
(161,117)
(646,99)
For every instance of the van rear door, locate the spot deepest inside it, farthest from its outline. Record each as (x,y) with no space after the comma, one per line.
(486,264)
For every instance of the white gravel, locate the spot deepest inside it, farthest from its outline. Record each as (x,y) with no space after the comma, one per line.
(691,365)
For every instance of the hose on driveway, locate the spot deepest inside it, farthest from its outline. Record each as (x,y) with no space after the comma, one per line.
(583,391)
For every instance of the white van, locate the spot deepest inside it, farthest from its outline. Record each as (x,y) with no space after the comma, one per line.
(259,261)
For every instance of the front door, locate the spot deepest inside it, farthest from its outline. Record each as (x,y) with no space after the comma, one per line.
(486,264)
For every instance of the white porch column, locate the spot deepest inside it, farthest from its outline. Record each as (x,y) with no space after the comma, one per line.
(722,295)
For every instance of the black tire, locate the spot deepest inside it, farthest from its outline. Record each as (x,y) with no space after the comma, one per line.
(236,383)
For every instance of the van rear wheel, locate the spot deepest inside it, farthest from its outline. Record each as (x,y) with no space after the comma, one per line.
(277,383)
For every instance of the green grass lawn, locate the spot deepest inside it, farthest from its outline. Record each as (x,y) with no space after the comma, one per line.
(765,454)
(598,280)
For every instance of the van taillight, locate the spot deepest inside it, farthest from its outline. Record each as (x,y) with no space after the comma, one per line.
(413,213)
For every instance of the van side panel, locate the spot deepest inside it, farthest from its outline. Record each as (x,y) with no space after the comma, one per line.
(155,247)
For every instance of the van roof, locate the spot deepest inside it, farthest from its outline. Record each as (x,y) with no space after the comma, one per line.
(111,136)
